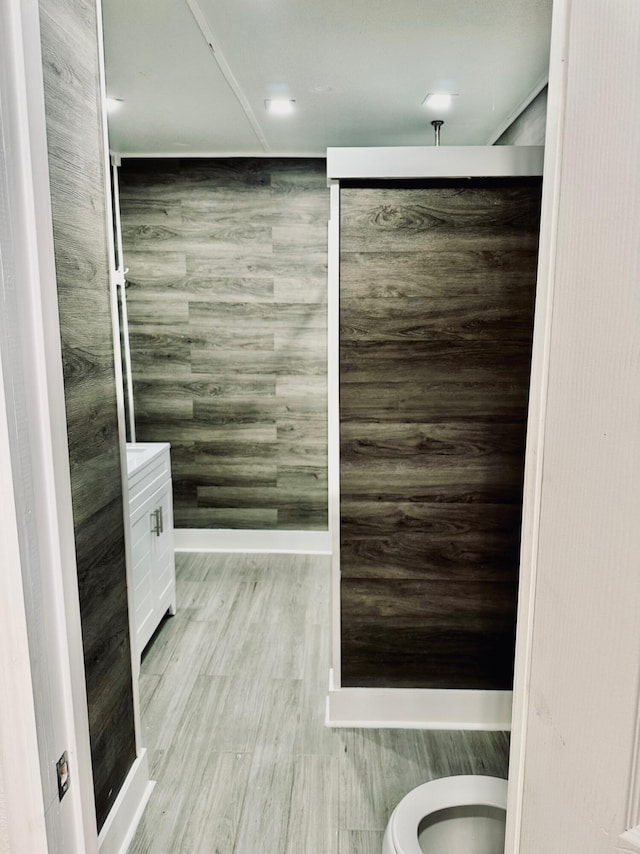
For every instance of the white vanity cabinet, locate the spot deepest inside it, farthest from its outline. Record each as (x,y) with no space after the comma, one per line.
(153,577)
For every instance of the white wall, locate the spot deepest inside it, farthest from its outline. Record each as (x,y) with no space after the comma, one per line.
(581,712)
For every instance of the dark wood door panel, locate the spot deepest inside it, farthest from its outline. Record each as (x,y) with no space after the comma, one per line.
(437,289)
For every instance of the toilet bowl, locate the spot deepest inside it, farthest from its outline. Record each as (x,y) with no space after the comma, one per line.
(452,815)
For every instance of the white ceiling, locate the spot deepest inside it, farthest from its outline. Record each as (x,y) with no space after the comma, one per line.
(357,69)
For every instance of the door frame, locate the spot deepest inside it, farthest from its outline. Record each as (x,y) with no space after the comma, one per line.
(73,821)
(534,454)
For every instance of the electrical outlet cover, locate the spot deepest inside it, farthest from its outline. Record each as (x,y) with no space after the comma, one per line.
(62,767)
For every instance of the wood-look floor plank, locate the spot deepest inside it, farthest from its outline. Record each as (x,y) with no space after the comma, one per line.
(165,821)
(313,825)
(244,761)
(236,727)
(360,841)
(267,805)
(161,725)
(221,793)
(166,638)
(314,737)
(374,776)
(242,602)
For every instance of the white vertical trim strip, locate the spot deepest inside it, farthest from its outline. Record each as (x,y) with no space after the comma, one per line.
(124,477)
(205,29)
(121,336)
(124,816)
(536,422)
(333,389)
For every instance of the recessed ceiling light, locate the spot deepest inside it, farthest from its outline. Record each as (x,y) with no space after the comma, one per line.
(113,103)
(280,106)
(438,100)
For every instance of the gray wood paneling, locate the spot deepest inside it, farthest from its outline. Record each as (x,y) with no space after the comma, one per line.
(436,312)
(227,310)
(234,690)
(74,133)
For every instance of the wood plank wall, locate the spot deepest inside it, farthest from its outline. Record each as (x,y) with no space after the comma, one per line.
(436,312)
(227,310)
(74,133)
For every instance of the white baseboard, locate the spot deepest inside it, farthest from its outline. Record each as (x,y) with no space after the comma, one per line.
(124,817)
(417,708)
(274,542)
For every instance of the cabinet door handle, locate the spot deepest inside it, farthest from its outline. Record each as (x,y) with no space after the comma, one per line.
(160,520)
(155,523)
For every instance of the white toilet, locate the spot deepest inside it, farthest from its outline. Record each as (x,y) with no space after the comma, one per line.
(452,815)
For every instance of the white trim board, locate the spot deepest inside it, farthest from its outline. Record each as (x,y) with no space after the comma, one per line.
(518,111)
(417,708)
(333,415)
(218,155)
(126,812)
(534,452)
(251,542)
(429,161)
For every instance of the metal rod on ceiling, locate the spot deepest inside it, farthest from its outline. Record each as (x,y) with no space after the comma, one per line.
(437,124)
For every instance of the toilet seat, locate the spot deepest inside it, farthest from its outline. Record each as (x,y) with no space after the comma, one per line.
(440,794)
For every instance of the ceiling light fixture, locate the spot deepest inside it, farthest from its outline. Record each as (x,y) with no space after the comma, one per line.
(280,106)
(439,100)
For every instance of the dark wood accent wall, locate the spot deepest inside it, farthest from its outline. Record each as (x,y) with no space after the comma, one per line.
(227,311)
(74,132)
(436,313)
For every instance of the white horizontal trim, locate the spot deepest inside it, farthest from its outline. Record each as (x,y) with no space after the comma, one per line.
(269,542)
(216,155)
(124,817)
(518,111)
(417,708)
(429,161)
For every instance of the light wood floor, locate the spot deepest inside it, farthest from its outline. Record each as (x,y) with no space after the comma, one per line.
(232,693)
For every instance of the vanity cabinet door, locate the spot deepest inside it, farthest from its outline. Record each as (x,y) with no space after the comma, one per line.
(162,552)
(153,563)
(143,594)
